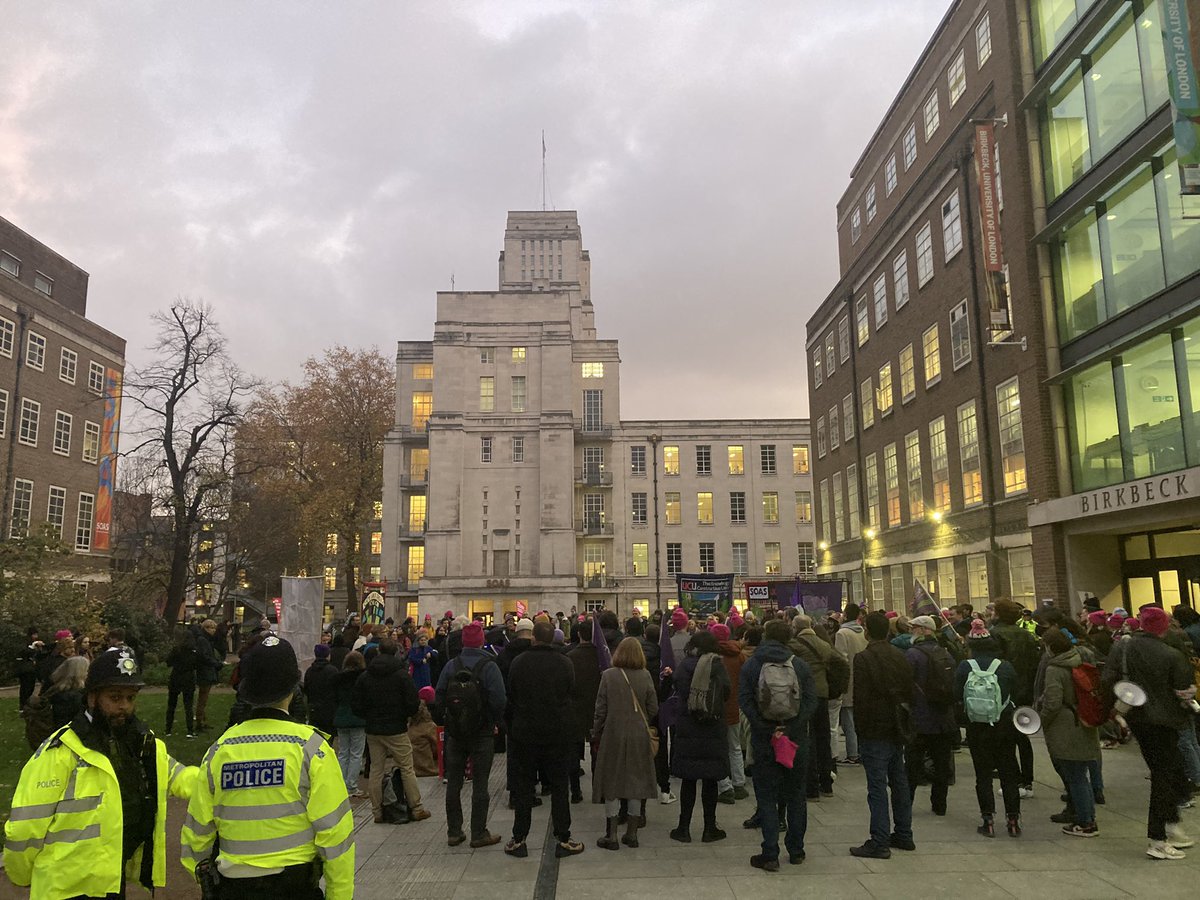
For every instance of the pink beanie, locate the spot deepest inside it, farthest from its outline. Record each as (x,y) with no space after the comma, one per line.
(1098,618)
(1154,619)
(892,614)
(720,632)
(1115,621)
(427,694)
(979,630)
(679,618)
(472,635)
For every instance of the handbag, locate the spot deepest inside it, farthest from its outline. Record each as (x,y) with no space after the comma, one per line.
(650,729)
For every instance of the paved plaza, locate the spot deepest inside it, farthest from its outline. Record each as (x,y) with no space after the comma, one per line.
(950,860)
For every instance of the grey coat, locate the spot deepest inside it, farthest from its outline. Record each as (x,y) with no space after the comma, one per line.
(1066,738)
(624,766)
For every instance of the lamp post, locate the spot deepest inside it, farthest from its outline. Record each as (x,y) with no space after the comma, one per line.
(654,439)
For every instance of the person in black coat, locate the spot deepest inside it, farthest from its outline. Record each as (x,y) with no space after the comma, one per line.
(700,750)
(320,689)
(338,650)
(386,698)
(612,630)
(582,709)
(517,646)
(182,660)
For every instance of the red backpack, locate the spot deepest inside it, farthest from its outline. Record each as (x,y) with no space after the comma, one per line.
(1091,703)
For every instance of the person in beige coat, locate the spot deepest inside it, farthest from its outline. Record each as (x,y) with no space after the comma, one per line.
(625,704)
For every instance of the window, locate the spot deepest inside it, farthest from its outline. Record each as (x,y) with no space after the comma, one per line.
(835,435)
(56,511)
(852,500)
(932,354)
(829,354)
(670,460)
(871,472)
(839,509)
(803,507)
(22,504)
(766,458)
(910,146)
(703,459)
(672,506)
(416,565)
(91,442)
(951,226)
(704,507)
(824,510)
(674,559)
(83,523)
(1020,574)
(908,379)
(867,402)
(741,559)
(31,412)
(771,559)
(35,351)
(95,372)
(799,459)
(1012,440)
(822,442)
(960,336)
(983,39)
(62,433)
(818,367)
(592,370)
(422,371)
(708,558)
(770,506)
(3,413)
(844,339)
(891,478)
(518,393)
(848,418)
(900,278)
(487,393)
(735,460)
(924,255)
(931,115)
(10,264)
(641,559)
(877,586)
(871,203)
(939,464)
(855,225)
(956,77)
(485,449)
(912,469)
(879,290)
(884,396)
(889,175)
(67,364)
(737,507)
(637,506)
(518,354)
(593,410)
(377,509)
(377,542)
(863,317)
(637,460)
(899,594)
(518,449)
(968,452)
(422,408)
(805,558)
(43,283)
(487,355)
(977,580)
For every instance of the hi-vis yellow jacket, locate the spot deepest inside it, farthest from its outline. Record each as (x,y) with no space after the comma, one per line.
(64,836)
(271,790)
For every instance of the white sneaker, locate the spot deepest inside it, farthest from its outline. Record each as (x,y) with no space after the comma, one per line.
(1026,791)
(1163,850)
(667,797)
(1177,837)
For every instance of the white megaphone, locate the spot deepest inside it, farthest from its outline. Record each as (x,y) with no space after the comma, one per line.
(1026,720)
(1128,696)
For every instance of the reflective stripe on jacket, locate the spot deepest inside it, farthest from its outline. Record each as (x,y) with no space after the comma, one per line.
(272,791)
(65,833)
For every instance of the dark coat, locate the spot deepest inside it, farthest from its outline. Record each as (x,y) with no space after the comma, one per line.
(927,718)
(344,716)
(182,660)
(761,729)
(337,656)
(816,653)
(700,750)
(320,689)
(1160,670)
(1021,649)
(209,660)
(1066,737)
(582,709)
(490,680)
(539,689)
(385,696)
(882,679)
(653,654)
(509,654)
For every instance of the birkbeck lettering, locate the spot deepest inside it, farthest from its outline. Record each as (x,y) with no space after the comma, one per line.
(1152,490)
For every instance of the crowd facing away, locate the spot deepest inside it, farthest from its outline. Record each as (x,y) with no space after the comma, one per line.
(715,704)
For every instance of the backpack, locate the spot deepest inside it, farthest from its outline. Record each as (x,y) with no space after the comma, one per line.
(706,700)
(837,673)
(939,680)
(778,691)
(39,720)
(464,702)
(981,695)
(1091,703)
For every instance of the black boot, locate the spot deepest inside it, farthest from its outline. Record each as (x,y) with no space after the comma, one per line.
(631,830)
(609,841)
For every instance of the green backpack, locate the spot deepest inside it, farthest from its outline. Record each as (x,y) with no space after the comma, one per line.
(981,695)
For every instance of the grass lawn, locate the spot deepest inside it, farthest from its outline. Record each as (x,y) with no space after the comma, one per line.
(151,708)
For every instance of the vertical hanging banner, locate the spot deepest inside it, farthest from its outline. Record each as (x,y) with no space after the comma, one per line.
(110,426)
(373,599)
(989,206)
(1181,41)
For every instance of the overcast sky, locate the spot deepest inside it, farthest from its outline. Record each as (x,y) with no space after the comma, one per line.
(316,171)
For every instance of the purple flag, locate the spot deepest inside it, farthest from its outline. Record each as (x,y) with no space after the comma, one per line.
(923,604)
(603,657)
(666,652)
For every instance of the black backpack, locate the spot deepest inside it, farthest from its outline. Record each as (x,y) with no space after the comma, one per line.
(939,680)
(464,705)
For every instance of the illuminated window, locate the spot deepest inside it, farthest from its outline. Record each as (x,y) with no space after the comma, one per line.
(771,558)
(641,559)
(932,355)
(377,509)
(704,507)
(968,452)
(331,544)
(908,379)
(862,317)
(805,557)
(867,402)
(672,507)
(912,469)
(770,506)
(800,459)
(593,369)
(956,77)
(518,354)
(735,460)
(418,463)
(422,371)
(416,565)
(416,513)
(871,471)
(884,396)
(670,460)
(1012,440)
(330,578)
(891,477)
(376,542)
(422,408)
(803,507)
(939,464)
(487,393)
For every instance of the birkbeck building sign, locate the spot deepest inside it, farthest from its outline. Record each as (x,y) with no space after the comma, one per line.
(1132,495)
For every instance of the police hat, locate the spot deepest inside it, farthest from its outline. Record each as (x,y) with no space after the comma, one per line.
(269,671)
(115,667)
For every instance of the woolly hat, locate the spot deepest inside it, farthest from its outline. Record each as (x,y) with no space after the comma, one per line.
(1122,612)
(735,620)
(679,618)
(427,694)
(472,635)
(1098,618)
(524,626)
(924,622)
(892,614)
(1133,625)
(979,630)
(321,651)
(719,631)
(1115,621)
(559,637)
(62,634)
(269,672)
(1154,619)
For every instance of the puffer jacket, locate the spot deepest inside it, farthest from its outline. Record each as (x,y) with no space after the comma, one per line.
(385,696)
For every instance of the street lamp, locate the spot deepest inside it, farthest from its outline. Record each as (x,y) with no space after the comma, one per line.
(936,516)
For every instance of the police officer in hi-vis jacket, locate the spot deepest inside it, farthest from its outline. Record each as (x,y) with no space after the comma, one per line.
(270,812)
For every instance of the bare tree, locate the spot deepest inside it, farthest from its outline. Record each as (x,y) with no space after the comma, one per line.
(187,401)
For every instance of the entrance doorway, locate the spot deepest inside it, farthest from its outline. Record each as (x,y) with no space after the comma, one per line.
(1161,567)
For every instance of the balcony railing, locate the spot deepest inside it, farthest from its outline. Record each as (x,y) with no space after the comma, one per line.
(592,429)
(411,434)
(593,475)
(597,583)
(416,479)
(409,533)
(593,525)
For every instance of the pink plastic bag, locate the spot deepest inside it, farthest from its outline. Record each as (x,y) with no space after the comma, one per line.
(785,750)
